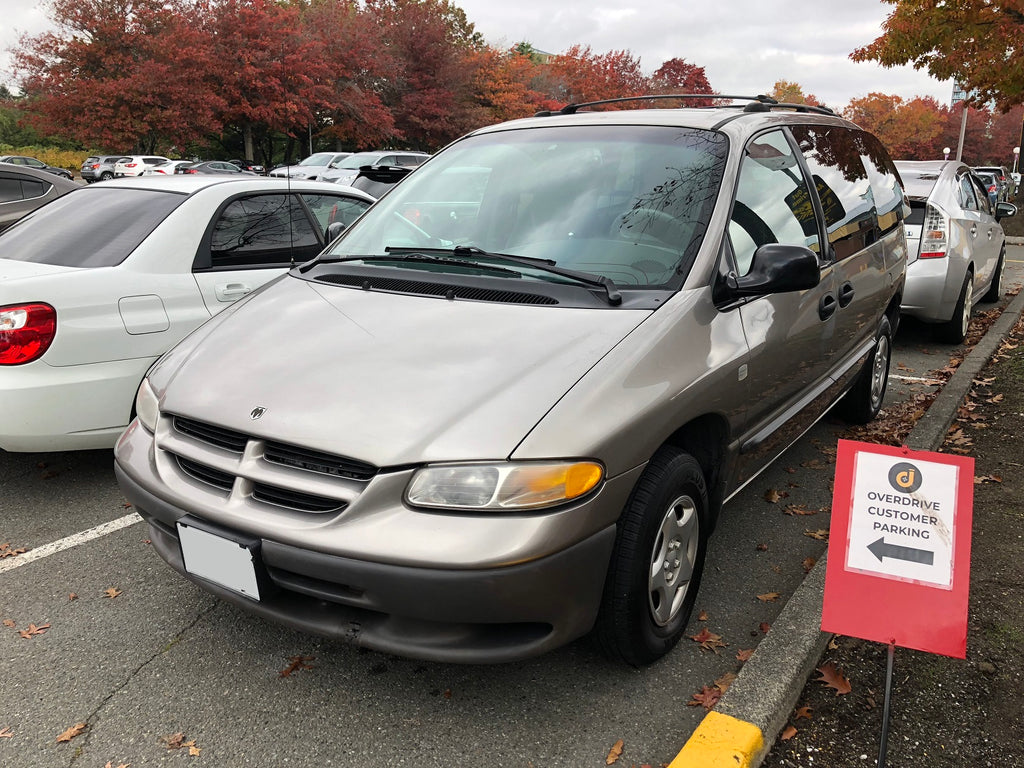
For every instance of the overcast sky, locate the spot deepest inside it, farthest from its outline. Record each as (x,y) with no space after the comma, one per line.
(745,46)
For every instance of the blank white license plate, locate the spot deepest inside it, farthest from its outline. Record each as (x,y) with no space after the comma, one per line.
(225,562)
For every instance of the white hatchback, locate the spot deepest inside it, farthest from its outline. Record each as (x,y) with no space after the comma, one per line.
(134,165)
(95,286)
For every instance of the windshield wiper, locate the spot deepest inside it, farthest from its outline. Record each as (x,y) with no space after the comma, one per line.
(425,255)
(545,265)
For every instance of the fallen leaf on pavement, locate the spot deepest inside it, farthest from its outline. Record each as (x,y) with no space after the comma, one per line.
(725,681)
(709,641)
(112,592)
(768,597)
(71,732)
(73,596)
(798,509)
(803,712)
(821,534)
(6,733)
(707,697)
(762,547)
(833,678)
(702,616)
(744,654)
(808,563)
(788,734)
(615,753)
(33,630)
(6,550)
(177,741)
(772,496)
(119,765)
(9,623)
(297,663)
(764,626)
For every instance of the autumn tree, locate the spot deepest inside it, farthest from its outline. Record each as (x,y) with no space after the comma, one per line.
(579,75)
(505,84)
(910,130)
(679,76)
(976,42)
(357,69)
(121,74)
(787,92)
(430,90)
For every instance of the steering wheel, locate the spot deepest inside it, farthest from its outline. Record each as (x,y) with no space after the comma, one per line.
(641,224)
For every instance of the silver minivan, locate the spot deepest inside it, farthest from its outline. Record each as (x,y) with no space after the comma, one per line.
(506,406)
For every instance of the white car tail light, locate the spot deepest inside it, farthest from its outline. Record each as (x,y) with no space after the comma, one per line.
(26,332)
(934,234)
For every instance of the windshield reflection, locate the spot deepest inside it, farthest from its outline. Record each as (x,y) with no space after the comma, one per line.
(630,203)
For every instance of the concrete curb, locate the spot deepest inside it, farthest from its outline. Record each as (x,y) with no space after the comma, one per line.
(744,725)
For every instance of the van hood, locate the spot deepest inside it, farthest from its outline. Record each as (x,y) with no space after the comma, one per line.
(388,379)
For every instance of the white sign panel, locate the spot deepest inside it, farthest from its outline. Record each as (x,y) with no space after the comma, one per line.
(901,519)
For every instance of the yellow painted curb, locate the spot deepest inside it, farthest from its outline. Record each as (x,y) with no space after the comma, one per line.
(720,741)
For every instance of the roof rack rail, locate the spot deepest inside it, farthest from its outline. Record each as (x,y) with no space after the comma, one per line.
(571,109)
(759,103)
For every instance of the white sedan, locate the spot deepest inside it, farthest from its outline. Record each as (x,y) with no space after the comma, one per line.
(96,285)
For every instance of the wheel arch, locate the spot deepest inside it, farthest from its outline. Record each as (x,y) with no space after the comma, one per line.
(705,438)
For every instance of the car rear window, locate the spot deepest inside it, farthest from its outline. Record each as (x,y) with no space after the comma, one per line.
(94,227)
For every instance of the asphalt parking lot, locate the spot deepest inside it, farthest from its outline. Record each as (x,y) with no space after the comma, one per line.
(96,630)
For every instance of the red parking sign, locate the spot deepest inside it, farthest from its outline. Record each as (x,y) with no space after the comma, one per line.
(900,547)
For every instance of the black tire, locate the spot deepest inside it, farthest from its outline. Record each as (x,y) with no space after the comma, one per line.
(106,176)
(864,400)
(995,289)
(954,330)
(665,519)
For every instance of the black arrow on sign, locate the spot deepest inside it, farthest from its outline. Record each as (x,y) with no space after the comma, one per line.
(880,549)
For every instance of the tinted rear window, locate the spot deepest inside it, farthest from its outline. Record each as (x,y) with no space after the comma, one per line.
(89,227)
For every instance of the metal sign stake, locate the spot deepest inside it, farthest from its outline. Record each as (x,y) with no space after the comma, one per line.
(885,707)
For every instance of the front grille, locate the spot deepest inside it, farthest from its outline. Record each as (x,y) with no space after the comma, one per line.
(205,474)
(424,288)
(303,502)
(316,461)
(227,439)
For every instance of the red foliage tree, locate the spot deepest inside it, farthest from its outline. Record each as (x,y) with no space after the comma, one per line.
(581,75)
(679,76)
(121,75)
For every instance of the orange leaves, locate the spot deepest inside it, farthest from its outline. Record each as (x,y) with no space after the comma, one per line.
(788,733)
(6,733)
(111,592)
(708,640)
(800,509)
(708,696)
(821,534)
(177,741)
(296,663)
(772,496)
(615,753)
(33,630)
(833,678)
(6,550)
(768,597)
(71,732)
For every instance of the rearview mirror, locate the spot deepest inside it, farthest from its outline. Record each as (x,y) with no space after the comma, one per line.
(334,230)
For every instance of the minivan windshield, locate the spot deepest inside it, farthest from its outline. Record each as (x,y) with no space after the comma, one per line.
(628,203)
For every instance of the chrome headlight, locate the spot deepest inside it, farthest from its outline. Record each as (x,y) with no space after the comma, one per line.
(147,406)
(503,486)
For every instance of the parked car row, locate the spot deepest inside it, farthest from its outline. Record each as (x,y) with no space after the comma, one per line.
(39,165)
(504,405)
(1005,183)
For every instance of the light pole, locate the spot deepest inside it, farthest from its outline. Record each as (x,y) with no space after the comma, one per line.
(945,153)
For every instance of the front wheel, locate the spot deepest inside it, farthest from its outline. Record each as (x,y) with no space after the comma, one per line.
(864,400)
(656,566)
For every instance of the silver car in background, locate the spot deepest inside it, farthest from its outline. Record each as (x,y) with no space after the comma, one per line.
(957,247)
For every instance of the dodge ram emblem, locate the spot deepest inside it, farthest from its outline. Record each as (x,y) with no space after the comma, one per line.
(257,412)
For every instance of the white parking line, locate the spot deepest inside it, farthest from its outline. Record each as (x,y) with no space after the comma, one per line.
(10,563)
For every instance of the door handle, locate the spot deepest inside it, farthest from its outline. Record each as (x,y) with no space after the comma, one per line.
(827,306)
(845,294)
(232,291)
(974,230)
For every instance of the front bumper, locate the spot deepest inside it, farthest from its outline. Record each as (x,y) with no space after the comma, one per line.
(413,596)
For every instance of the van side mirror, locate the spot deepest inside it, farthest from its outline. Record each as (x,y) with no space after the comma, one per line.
(1005,209)
(334,230)
(778,268)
